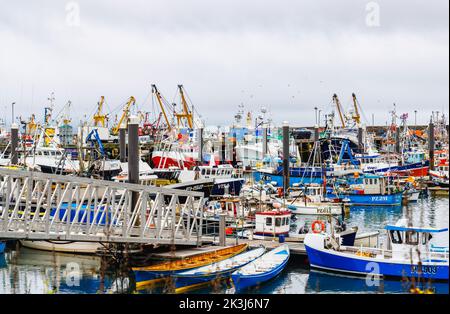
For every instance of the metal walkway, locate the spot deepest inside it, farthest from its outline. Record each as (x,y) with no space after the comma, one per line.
(37,206)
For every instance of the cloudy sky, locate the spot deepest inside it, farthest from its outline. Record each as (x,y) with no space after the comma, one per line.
(286,55)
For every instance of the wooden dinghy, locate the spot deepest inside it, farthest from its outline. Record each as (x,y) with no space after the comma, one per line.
(202,276)
(149,274)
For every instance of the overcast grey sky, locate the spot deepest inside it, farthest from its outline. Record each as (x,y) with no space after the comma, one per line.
(288,56)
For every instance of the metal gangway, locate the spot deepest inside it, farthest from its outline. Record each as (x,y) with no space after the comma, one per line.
(38,206)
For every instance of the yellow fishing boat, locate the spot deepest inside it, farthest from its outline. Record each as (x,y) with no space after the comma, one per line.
(150,274)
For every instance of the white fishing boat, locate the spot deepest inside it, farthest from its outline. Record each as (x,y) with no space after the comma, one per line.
(311,201)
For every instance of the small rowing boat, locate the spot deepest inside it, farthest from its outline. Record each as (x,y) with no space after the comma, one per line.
(261,269)
(150,274)
(198,277)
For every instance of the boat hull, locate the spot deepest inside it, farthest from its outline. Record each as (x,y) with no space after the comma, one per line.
(242,282)
(333,261)
(372,200)
(315,209)
(267,177)
(227,186)
(64,246)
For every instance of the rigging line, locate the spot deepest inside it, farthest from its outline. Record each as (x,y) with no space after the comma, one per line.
(191,103)
(62,109)
(362,111)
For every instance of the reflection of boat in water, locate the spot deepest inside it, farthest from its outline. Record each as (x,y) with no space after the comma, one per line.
(2,261)
(319,281)
(28,256)
(42,272)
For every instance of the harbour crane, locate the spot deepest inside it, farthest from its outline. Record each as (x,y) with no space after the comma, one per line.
(339,108)
(356,116)
(125,113)
(161,105)
(186,114)
(99,118)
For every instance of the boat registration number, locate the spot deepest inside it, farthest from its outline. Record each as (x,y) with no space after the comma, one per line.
(431,270)
(379,198)
(324,210)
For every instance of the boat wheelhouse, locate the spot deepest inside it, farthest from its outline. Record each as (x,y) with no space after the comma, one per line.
(272,223)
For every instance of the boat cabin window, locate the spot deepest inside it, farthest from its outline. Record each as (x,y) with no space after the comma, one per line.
(277,222)
(269,221)
(396,237)
(426,237)
(412,237)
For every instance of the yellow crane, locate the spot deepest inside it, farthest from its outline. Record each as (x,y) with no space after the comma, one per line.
(99,118)
(161,105)
(125,113)
(186,114)
(339,108)
(356,116)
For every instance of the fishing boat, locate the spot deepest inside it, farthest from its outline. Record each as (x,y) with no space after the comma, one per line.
(198,277)
(2,247)
(311,201)
(261,269)
(440,176)
(148,274)
(366,189)
(408,253)
(297,175)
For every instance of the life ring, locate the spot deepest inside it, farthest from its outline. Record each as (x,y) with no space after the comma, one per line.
(280,192)
(314,226)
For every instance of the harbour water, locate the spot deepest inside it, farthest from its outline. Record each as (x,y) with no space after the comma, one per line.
(29,271)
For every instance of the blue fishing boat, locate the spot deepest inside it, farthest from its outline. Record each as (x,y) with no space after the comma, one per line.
(261,269)
(366,189)
(2,247)
(297,176)
(409,253)
(198,277)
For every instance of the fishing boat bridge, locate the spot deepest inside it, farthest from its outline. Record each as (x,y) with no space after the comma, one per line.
(38,206)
